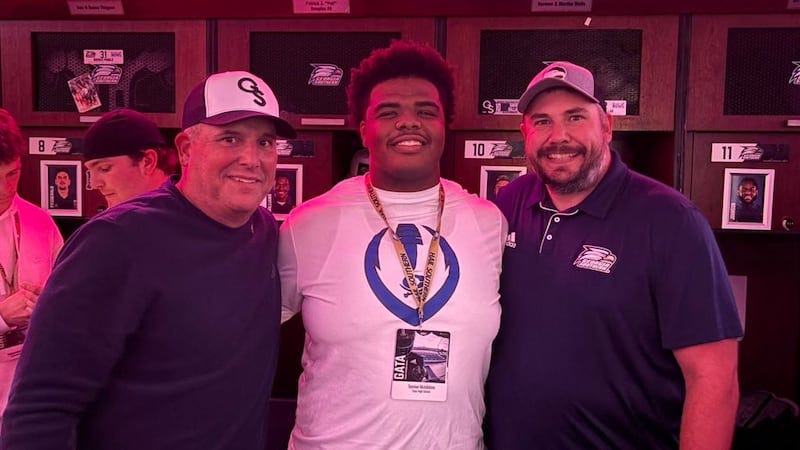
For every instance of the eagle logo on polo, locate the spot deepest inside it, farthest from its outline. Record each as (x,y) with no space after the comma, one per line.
(593,257)
(395,294)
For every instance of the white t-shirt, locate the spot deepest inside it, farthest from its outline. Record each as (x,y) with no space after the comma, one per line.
(339,267)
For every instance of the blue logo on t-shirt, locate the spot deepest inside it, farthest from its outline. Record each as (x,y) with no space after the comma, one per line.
(410,237)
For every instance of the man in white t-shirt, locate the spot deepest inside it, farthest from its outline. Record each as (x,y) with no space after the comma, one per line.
(396,275)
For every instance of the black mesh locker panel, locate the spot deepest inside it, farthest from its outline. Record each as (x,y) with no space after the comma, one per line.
(762,71)
(147,82)
(286,61)
(510,58)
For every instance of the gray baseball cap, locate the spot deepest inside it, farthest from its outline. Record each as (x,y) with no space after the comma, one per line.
(559,74)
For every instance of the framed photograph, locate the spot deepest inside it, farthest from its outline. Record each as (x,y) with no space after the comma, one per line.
(747,199)
(495,178)
(61,193)
(288,190)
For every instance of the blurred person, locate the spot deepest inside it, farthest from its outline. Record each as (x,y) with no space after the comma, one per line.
(29,244)
(501,182)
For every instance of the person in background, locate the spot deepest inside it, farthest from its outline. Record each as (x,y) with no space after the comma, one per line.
(748,208)
(29,244)
(159,327)
(64,196)
(619,324)
(339,260)
(501,182)
(125,155)
(281,202)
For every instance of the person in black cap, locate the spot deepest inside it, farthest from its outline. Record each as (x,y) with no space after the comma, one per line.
(619,327)
(159,327)
(125,155)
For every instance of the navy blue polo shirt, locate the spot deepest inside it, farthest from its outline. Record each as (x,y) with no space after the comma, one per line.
(594,301)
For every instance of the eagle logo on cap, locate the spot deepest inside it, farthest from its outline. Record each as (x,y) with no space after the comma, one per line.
(556,72)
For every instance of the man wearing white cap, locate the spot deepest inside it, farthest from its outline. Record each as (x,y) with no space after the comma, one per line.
(619,326)
(159,327)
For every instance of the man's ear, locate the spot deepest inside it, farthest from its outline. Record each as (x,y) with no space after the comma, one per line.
(149,162)
(361,128)
(182,145)
(608,126)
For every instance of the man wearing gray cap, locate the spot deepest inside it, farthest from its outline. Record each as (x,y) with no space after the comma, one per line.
(159,326)
(125,155)
(619,326)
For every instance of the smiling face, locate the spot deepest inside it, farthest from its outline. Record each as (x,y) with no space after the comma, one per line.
(404,129)
(282,187)
(228,169)
(748,192)
(567,142)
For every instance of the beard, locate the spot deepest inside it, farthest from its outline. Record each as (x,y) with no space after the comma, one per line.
(748,200)
(587,177)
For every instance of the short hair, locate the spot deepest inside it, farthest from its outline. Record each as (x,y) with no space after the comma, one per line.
(402,59)
(12,145)
(166,159)
(748,180)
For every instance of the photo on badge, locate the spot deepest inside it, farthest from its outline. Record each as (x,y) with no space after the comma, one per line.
(61,187)
(420,365)
(747,199)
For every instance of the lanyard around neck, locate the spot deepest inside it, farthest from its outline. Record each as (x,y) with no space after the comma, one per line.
(8,279)
(420,294)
